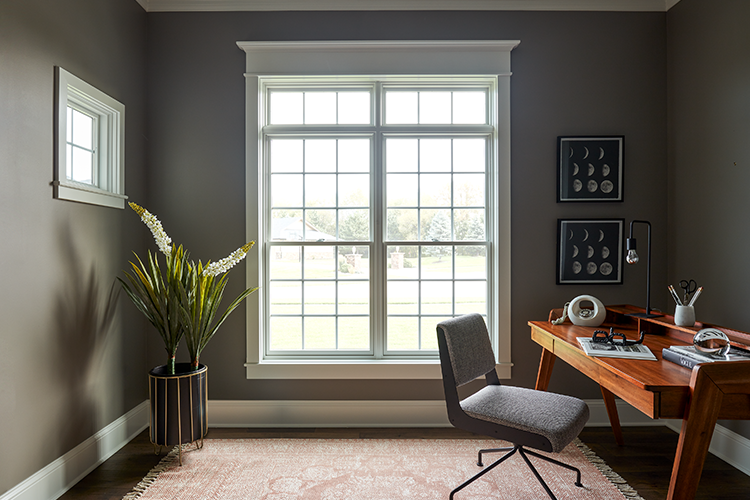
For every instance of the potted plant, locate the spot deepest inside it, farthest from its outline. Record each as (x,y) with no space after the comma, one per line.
(180,298)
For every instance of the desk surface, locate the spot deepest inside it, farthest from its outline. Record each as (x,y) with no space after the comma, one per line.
(660,389)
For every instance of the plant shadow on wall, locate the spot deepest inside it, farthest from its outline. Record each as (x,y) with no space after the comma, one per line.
(85,311)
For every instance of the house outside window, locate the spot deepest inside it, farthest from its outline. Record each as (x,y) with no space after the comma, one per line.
(382,203)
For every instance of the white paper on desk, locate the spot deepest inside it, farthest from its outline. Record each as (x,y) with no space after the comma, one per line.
(601,350)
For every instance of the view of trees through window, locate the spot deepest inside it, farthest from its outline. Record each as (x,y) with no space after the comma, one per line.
(377,225)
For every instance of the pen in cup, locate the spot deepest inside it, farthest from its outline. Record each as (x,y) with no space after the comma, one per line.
(695,296)
(675,296)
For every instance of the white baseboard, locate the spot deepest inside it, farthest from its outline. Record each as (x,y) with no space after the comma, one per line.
(54,480)
(59,476)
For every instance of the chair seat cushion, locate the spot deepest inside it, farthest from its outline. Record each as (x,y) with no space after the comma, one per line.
(557,417)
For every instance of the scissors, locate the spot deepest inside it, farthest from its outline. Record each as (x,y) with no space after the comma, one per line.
(689,287)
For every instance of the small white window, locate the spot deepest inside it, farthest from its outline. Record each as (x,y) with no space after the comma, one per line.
(90,144)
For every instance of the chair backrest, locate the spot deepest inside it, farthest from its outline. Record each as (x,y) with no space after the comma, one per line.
(468,347)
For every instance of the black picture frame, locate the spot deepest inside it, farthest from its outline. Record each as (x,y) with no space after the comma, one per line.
(590,168)
(590,251)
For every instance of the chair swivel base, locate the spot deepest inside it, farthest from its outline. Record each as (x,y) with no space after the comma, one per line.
(523,452)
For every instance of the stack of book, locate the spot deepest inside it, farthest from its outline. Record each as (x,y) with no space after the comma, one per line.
(688,356)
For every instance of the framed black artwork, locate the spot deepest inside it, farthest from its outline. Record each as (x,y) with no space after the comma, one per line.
(589,251)
(590,168)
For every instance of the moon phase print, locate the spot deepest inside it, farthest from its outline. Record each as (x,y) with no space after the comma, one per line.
(589,251)
(590,168)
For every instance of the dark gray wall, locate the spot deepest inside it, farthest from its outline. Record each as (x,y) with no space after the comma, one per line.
(63,377)
(709,167)
(573,73)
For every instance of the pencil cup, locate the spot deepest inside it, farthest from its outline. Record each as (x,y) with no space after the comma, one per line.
(684,316)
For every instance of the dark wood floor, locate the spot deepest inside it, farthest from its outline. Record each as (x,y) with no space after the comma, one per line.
(645,461)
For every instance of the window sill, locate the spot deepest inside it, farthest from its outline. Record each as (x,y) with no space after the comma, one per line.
(83,193)
(350,369)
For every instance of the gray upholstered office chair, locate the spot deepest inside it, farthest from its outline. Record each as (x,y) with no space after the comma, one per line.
(527,418)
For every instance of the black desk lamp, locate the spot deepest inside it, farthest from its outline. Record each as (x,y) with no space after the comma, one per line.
(632,258)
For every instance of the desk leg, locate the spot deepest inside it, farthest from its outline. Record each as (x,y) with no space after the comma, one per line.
(614,418)
(695,437)
(545,370)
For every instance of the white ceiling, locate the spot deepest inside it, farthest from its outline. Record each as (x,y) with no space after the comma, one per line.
(290,5)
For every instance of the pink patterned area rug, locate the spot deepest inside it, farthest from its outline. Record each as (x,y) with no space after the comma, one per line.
(369,469)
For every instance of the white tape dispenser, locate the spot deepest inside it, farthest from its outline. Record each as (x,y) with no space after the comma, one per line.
(586,317)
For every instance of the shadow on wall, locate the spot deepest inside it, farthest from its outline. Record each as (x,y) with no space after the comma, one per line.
(85,311)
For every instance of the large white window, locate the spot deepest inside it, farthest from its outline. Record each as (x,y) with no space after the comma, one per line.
(90,144)
(382,205)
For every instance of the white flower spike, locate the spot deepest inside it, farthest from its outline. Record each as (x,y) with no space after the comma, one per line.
(227,263)
(163,241)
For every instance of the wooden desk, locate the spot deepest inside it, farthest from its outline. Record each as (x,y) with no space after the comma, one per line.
(660,389)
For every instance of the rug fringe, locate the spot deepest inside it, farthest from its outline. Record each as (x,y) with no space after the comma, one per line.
(628,491)
(139,489)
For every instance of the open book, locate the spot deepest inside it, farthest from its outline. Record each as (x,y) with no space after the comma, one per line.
(637,351)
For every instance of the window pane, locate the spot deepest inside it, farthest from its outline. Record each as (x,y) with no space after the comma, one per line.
(286,263)
(403,297)
(353,262)
(83,130)
(402,225)
(354,155)
(354,333)
(354,190)
(286,108)
(469,155)
(83,164)
(437,297)
(354,108)
(402,155)
(403,262)
(69,161)
(320,297)
(285,333)
(468,190)
(354,225)
(402,190)
(354,297)
(286,155)
(286,190)
(428,333)
(69,125)
(320,190)
(469,225)
(403,333)
(286,297)
(320,155)
(437,262)
(471,297)
(435,190)
(471,262)
(469,107)
(436,225)
(435,155)
(434,107)
(319,262)
(320,225)
(320,107)
(320,333)
(401,108)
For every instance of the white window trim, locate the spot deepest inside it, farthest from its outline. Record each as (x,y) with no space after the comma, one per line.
(110,192)
(433,58)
